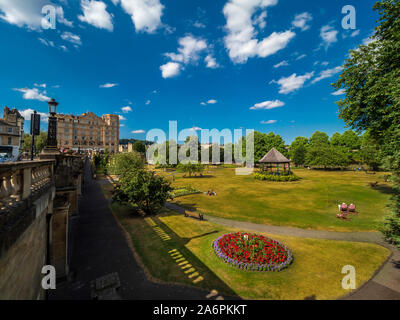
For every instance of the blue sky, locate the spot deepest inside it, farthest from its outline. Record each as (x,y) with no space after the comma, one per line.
(257,64)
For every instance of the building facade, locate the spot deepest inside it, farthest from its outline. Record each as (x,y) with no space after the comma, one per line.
(88,132)
(11,133)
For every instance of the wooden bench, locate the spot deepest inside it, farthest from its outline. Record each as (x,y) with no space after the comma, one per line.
(194,214)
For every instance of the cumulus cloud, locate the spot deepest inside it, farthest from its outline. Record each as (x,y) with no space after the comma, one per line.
(145,14)
(327,74)
(293,82)
(241,41)
(300,21)
(269,122)
(108,85)
(328,35)
(95,14)
(126,109)
(70,37)
(138,131)
(28,14)
(27,115)
(211,101)
(148,102)
(211,62)
(170,69)
(33,94)
(267,105)
(121,118)
(189,51)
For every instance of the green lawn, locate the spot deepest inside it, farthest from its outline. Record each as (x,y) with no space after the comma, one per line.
(314,274)
(311,203)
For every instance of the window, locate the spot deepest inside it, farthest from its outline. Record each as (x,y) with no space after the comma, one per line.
(9,141)
(9,130)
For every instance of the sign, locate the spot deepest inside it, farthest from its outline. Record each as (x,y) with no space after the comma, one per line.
(35,124)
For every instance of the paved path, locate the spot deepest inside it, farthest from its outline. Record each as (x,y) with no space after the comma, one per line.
(100,248)
(385,285)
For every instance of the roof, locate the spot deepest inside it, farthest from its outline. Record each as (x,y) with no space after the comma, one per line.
(274,156)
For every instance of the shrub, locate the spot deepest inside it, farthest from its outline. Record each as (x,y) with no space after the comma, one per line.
(120,163)
(276,178)
(143,190)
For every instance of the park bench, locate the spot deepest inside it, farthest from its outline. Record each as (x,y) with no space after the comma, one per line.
(194,215)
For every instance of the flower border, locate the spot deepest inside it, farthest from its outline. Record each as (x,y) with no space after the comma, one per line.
(253,266)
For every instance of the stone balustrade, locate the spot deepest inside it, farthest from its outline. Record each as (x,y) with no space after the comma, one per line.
(21,180)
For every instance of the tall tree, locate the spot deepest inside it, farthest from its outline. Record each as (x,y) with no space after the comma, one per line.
(298,150)
(319,138)
(264,143)
(370,78)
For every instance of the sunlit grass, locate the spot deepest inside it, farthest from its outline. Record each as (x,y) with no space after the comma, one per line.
(310,203)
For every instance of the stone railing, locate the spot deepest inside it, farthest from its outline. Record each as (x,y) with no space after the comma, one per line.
(21,180)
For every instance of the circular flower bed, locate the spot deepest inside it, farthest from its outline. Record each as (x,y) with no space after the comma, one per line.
(252,252)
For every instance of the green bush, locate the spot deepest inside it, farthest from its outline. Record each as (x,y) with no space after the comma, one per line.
(143,190)
(121,163)
(276,178)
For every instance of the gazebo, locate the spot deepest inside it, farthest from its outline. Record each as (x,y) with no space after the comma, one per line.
(272,158)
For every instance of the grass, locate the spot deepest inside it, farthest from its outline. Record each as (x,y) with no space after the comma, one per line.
(314,274)
(311,203)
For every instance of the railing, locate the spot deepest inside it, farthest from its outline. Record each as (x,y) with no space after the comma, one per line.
(20,180)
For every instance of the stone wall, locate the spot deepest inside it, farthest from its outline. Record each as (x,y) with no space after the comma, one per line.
(21,265)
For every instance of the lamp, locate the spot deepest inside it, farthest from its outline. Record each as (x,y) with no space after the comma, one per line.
(52,106)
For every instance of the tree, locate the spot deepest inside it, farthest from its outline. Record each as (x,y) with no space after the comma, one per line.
(139,146)
(191,168)
(327,156)
(40,142)
(370,152)
(120,163)
(319,138)
(144,190)
(298,150)
(370,78)
(263,143)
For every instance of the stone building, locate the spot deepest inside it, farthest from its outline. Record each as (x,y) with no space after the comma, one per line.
(11,132)
(88,132)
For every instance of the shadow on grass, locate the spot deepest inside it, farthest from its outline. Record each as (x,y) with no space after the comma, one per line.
(385,189)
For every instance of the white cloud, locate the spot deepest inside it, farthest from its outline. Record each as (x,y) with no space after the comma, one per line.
(145,14)
(33,94)
(281,64)
(195,129)
(108,85)
(95,13)
(148,102)
(138,131)
(293,82)
(328,35)
(28,14)
(121,118)
(212,101)
(268,105)
(189,49)
(122,125)
(27,115)
(42,85)
(339,92)
(203,103)
(126,109)
(269,122)
(300,21)
(325,63)
(327,74)
(170,69)
(355,33)
(199,25)
(70,37)
(211,62)
(46,42)
(241,40)
(301,57)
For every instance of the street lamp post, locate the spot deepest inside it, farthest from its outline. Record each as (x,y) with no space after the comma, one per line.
(51,145)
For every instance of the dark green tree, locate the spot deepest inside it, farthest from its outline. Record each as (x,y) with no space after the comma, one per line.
(139,146)
(298,150)
(370,78)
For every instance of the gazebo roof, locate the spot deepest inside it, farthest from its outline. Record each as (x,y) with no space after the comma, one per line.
(274,156)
